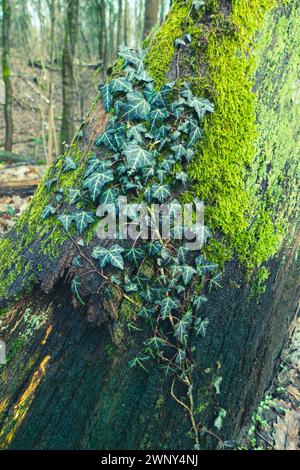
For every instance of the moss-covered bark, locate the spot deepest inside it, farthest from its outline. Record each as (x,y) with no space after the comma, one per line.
(244,58)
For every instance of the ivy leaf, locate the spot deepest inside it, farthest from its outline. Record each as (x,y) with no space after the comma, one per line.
(143,76)
(111,255)
(200,326)
(148,294)
(92,165)
(215,281)
(198,301)
(47,211)
(201,106)
(106,96)
(182,176)
(137,107)
(75,286)
(68,165)
(218,423)
(119,107)
(119,140)
(159,114)
(179,42)
(187,273)
(77,262)
(74,195)
(66,221)
(82,220)
(195,134)
(96,181)
(161,192)
(181,329)
(198,4)
(179,150)
(136,157)
(134,255)
(108,196)
(180,357)
(107,139)
(204,266)
(153,248)
(135,132)
(156,99)
(120,84)
(167,306)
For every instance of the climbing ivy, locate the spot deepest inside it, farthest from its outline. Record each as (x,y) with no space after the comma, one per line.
(146,147)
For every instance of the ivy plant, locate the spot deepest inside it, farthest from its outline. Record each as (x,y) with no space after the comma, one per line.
(145,150)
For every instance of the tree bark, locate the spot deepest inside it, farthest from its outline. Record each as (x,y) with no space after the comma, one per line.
(68,78)
(151,15)
(67,384)
(6,20)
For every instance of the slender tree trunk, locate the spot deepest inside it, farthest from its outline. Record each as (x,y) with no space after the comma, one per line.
(51,121)
(102,35)
(68,78)
(67,384)
(6,19)
(151,15)
(120,24)
(126,24)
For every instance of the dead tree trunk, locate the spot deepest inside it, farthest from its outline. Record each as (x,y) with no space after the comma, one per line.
(68,78)
(67,384)
(6,10)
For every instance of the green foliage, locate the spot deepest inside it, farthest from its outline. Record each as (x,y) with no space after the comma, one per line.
(96,181)
(83,220)
(47,211)
(150,136)
(112,256)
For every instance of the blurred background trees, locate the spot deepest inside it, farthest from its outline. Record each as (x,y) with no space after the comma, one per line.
(54,55)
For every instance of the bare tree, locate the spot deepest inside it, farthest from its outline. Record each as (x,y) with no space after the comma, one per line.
(68,78)
(6,21)
(151,15)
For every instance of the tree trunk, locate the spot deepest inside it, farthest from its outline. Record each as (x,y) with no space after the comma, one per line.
(6,10)
(151,15)
(126,24)
(120,24)
(68,78)
(67,384)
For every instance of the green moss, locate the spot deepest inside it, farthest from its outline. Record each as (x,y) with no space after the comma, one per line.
(162,49)
(225,171)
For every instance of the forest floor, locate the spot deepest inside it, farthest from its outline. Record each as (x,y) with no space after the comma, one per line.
(30,103)
(276,422)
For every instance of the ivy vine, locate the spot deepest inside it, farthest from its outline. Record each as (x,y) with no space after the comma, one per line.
(146,148)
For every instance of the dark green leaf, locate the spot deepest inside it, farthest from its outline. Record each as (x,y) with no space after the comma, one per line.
(106,97)
(96,181)
(66,220)
(137,157)
(82,220)
(120,84)
(137,107)
(111,255)
(47,211)
(69,164)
